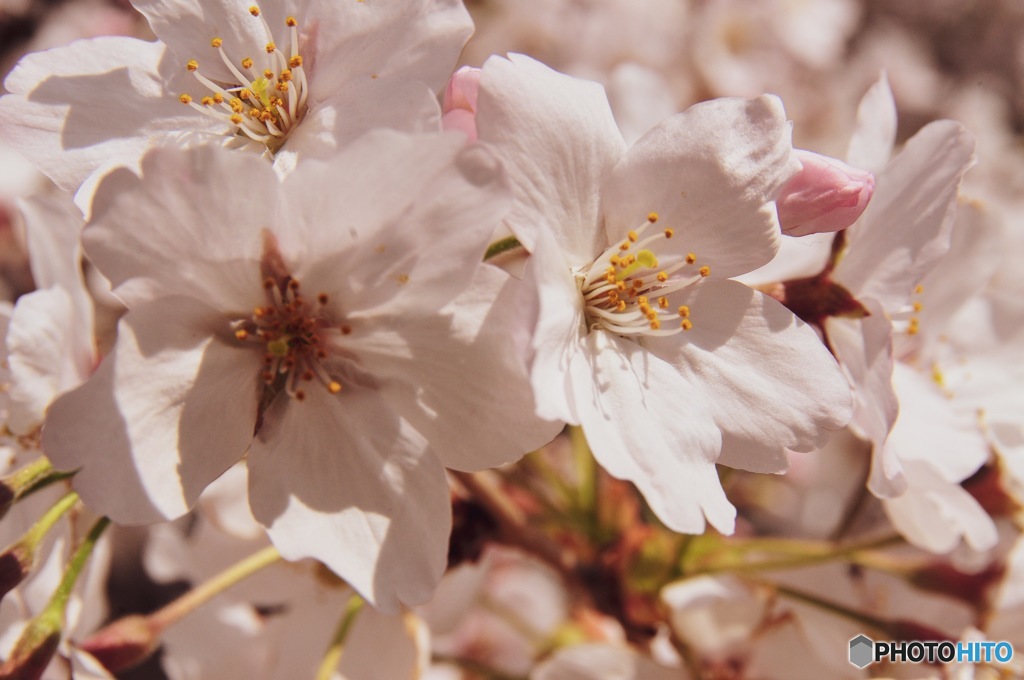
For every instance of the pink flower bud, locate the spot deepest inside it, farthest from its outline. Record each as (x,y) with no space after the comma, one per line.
(826,195)
(458,111)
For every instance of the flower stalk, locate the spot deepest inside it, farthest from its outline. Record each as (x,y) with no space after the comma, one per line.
(18,560)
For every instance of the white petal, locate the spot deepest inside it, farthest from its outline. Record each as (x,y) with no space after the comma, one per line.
(906,227)
(864,349)
(191,225)
(362,105)
(762,374)
(345,480)
(412,40)
(49,353)
(875,133)
(558,139)
(934,513)
(95,103)
(460,377)
(398,222)
(646,424)
(170,409)
(711,173)
(557,334)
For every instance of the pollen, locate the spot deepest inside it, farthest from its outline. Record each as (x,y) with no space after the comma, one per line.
(918,306)
(652,217)
(918,289)
(626,290)
(334,387)
(242,334)
(185,99)
(670,232)
(275,115)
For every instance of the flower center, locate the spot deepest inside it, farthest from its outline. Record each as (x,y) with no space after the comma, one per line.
(296,336)
(626,289)
(267,97)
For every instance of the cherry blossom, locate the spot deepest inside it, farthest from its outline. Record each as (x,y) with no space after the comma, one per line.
(641,338)
(259,76)
(312,313)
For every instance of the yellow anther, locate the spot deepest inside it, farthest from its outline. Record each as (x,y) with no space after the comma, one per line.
(247,62)
(918,289)
(691,258)
(295,61)
(185,99)
(290,21)
(670,232)
(192,65)
(686,324)
(620,305)
(286,75)
(621,285)
(637,284)
(255,113)
(937,376)
(334,387)
(663,302)
(270,47)
(652,217)
(216,42)
(242,334)
(236,118)
(206,101)
(268,74)
(633,236)
(705,271)
(254,10)
(642,300)
(684,311)
(655,324)
(236,105)
(281,87)
(663,277)
(245,93)
(218,98)
(918,306)
(610,278)
(624,245)
(914,327)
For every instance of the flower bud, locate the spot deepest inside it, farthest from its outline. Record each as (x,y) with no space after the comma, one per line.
(34,649)
(458,111)
(16,562)
(826,195)
(124,643)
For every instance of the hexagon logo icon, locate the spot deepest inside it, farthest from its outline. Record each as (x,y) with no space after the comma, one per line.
(861,651)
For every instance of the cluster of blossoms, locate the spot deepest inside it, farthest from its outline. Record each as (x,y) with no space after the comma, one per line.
(395,369)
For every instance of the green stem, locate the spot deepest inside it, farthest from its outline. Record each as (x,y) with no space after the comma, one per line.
(203,593)
(43,525)
(502,246)
(879,625)
(59,600)
(333,655)
(802,554)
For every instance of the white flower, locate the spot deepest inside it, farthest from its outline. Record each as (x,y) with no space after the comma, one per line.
(314,313)
(292,78)
(668,366)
